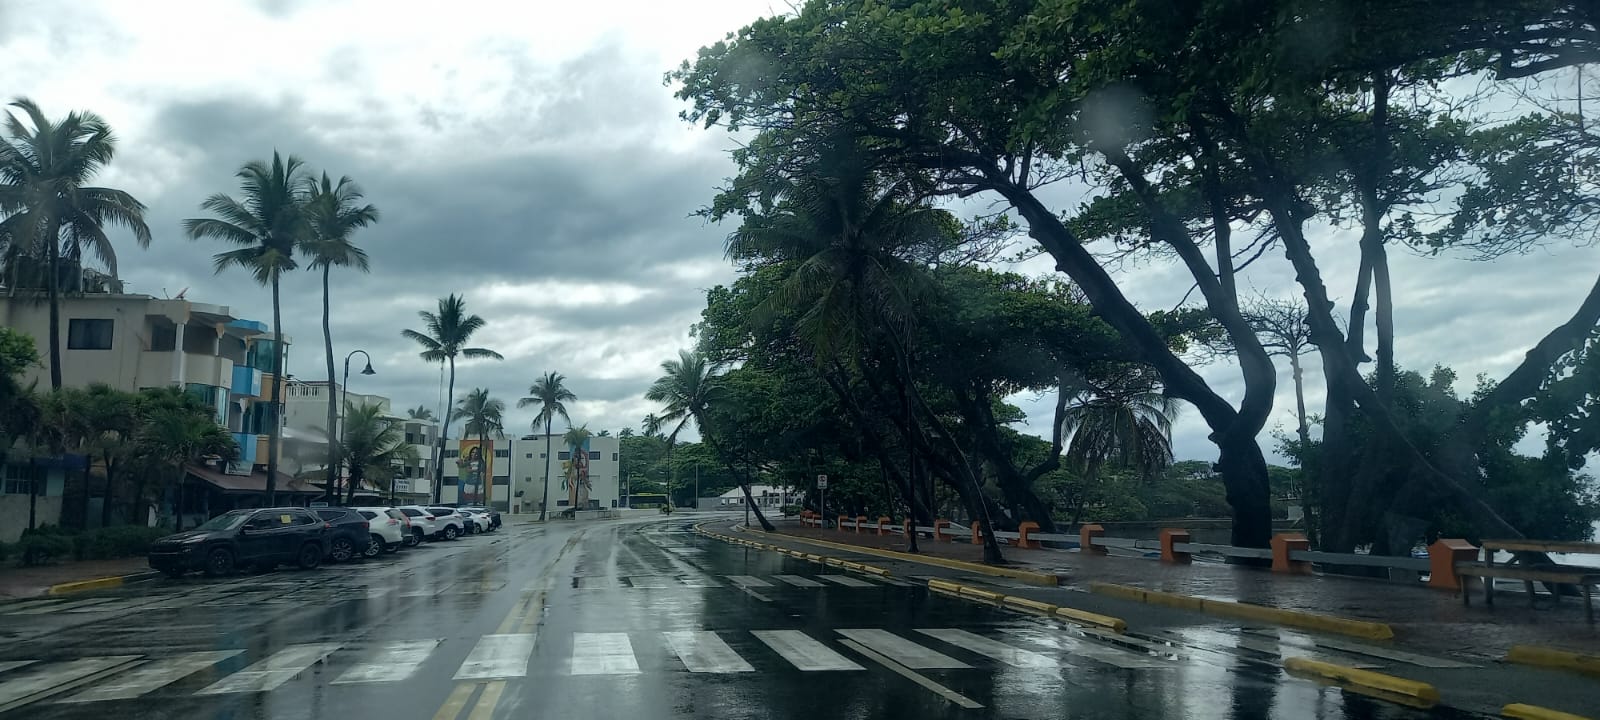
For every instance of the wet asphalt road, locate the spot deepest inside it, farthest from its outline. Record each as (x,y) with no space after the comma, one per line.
(635,620)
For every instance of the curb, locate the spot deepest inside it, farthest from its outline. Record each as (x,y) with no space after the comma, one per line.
(1534,712)
(818,559)
(76,586)
(1419,693)
(1553,658)
(1364,629)
(1033,578)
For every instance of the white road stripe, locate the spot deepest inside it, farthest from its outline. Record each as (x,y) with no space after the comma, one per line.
(49,679)
(651,581)
(749,581)
(1108,655)
(992,648)
(915,677)
(274,670)
(1360,649)
(394,661)
(903,651)
(846,581)
(14,664)
(699,582)
(498,656)
(61,607)
(704,652)
(798,581)
(803,652)
(603,654)
(152,675)
(12,608)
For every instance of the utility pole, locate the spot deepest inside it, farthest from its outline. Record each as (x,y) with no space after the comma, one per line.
(697,486)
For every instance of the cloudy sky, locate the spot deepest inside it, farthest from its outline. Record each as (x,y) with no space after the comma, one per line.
(527,156)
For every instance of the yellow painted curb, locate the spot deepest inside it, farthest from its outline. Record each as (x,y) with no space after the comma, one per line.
(1084,617)
(968,591)
(1553,658)
(1424,694)
(1292,618)
(1034,578)
(851,565)
(875,570)
(945,585)
(82,585)
(1030,605)
(814,558)
(1534,712)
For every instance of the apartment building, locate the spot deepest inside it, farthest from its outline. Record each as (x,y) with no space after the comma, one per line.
(305,420)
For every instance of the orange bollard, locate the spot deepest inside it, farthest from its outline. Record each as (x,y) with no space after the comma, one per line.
(1282,545)
(1443,555)
(911,529)
(977,536)
(883,525)
(861,521)
(1169,538)
(1023,530)
(842,518)
(1086,536)
(939,535)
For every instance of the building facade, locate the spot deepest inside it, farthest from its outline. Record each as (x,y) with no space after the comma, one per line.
(600,463)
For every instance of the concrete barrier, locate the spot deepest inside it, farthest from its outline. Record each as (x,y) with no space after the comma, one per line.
(1086,537)
(1170,537)
(1443,555)
(1422,693)
(861,522)
(1282,545)
(939,534)
(883,524)
(977,533)
(1023,531)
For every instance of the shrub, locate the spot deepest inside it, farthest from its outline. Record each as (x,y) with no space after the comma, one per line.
(42,548)
(4,550)
(789,510)
(116,542)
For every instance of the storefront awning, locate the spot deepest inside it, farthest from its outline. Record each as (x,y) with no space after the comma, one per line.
(253,484)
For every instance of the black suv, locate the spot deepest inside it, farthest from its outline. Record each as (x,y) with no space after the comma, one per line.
(351,534)
(245,538)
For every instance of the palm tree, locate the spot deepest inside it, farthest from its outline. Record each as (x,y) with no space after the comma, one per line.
(445,337)
(484,415)
(374,444)
(43,171)
(574,480)
(550,395)
(651,425)
(107,421)
(420,412)
(688,390)
(334,212)
(174,431)
(1126,426)
(267,225)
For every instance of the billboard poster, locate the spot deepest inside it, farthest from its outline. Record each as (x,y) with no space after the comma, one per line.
(475,465)
(575,475)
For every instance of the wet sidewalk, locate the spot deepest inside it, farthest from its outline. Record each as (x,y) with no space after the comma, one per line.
(19,582)
(1420,616)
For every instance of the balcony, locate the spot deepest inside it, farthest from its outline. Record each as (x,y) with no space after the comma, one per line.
(249,449)
(158,368)
(246,381)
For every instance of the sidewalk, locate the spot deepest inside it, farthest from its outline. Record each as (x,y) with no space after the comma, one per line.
(1420,616)
(20,582)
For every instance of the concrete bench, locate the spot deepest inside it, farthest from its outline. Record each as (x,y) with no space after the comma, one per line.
(1585,578)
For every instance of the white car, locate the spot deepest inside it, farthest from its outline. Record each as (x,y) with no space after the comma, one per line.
(389,525)
(478,520)
(449,523)
(423,523)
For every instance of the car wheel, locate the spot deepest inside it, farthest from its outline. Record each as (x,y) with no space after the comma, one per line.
(394,547)
(341,549)
(413,538)
(374,547)
(219,562)
(450,532)
(310,556)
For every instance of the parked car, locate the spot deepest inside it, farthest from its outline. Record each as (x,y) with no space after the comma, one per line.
(423,523)
(352,534)
(477,519)
(261,539)
(494,515)
(451,524)
(390,527)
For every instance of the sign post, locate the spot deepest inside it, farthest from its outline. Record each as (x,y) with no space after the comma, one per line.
(822,487)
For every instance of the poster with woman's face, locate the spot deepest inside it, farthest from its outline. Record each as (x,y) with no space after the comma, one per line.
(475,463)
(578,476)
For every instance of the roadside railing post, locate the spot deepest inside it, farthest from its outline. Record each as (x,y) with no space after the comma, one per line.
(883,525)
(1443,555)
(1023,530)
(1170,537)
(861,521)
(977,533)
(1086,536)
(1282,545)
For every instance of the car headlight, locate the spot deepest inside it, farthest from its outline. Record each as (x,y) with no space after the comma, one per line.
(193,541)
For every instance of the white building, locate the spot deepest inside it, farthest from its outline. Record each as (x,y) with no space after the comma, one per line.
(529,463)
(766,496)
(306,416)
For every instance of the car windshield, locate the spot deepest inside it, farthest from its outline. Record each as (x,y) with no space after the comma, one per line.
(229,521)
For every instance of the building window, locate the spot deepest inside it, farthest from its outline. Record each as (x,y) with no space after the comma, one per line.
(502,481)
(450,481)
(541,456)
(613,457)
(411,438)
(502,453)
(561,503)
(88,334)
(563,455)
(594,454)
(529,456)
(452,453)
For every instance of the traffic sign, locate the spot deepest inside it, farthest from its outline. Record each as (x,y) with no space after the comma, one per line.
(822,482)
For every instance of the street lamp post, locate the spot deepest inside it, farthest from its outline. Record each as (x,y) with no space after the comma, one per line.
(344,393)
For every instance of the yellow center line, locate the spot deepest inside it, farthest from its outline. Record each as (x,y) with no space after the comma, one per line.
(531,617)
(484,710)
(457,700)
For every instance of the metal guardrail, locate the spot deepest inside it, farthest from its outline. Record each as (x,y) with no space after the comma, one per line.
(1223,550)
(1393,563)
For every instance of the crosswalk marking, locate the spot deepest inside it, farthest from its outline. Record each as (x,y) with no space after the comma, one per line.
(1126,659)
(603,654)
(275,670)
(699,582)
(151,676)
(45,680)
(1286,651)
(498,656)
(798,581)
(704,652)
(903,651)
(803,652)
(1360,649)
(992,648)
(394,661)
(650,581)
(749,581)
(846,581)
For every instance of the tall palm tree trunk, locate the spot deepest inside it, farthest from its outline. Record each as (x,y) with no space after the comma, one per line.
(444,436)
(333,403)
(274,435)
(544,500)
(53,253)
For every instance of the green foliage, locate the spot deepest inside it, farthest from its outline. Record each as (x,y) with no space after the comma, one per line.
(17,352)
(44,548)
(116,542)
